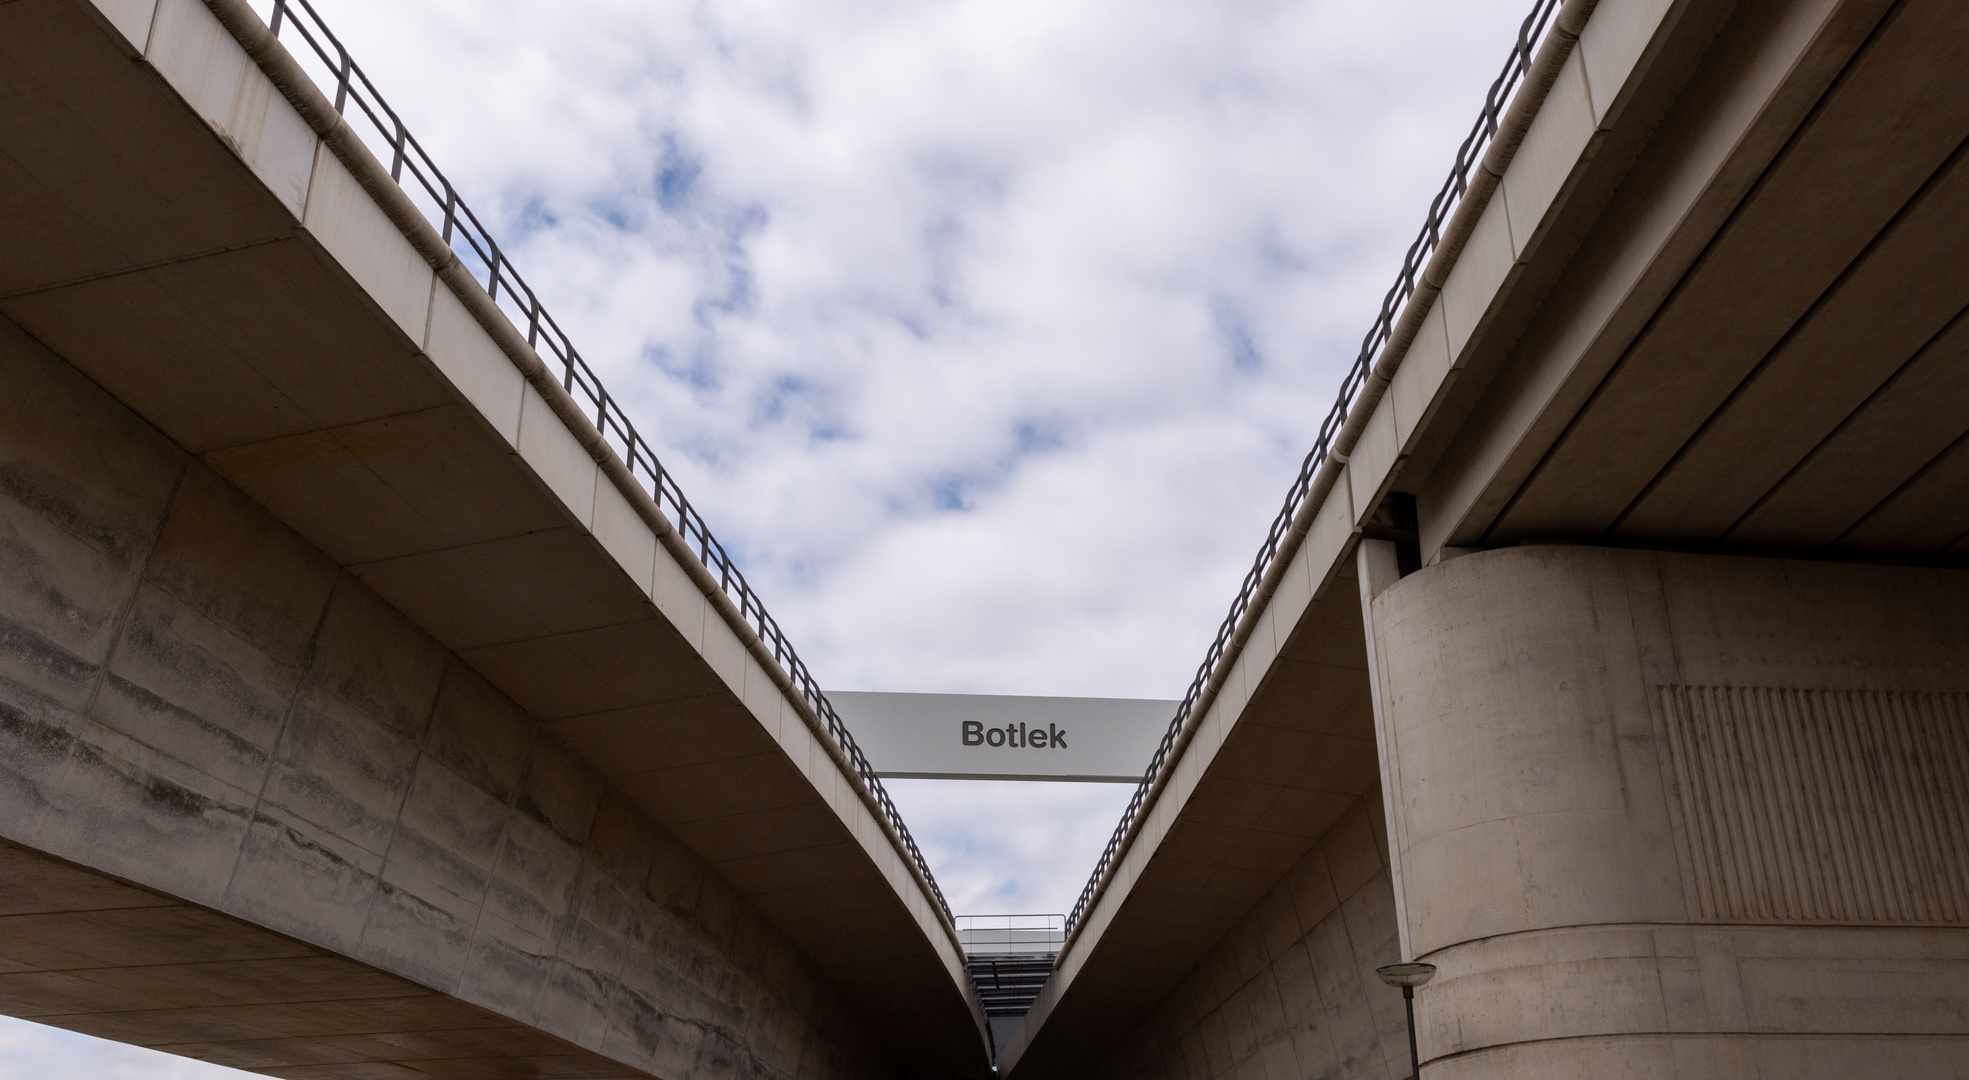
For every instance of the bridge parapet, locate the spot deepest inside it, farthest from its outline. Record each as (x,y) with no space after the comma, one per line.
(1707,308)
(1481,164)
(422,202)
(273,303)
(1275,742)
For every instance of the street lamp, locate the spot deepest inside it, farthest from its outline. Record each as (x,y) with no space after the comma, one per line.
(1408,977)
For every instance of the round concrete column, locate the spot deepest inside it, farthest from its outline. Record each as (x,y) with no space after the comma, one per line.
(1615,803)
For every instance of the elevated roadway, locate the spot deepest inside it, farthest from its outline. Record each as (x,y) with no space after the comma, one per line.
(1610,659)
(362,714)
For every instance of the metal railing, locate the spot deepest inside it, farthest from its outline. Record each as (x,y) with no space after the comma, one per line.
(1530,33)
(1011,935)
(480,253)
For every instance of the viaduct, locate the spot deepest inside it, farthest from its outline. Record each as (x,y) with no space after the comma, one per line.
(373,706)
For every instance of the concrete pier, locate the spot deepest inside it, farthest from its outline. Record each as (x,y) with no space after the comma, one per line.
(1668,815)
(361,714)
(1650,517)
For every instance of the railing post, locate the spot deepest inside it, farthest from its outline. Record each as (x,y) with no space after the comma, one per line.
(492,270)
(342,77)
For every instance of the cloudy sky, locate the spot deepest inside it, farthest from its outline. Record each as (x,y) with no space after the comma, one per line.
(988,332)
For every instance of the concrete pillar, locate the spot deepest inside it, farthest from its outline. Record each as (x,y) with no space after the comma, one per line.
(1673,815)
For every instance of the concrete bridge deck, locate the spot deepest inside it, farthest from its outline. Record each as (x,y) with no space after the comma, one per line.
(340,647)
(1706,325)
(1612,660)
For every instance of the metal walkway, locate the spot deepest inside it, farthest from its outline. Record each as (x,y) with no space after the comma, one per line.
(1009,958)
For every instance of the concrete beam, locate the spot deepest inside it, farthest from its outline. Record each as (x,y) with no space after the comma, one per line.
(1284,740)
(200,704)
(89,953)
(313,361)
(1676,175)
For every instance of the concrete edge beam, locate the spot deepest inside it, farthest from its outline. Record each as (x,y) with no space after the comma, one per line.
(1557,140)
(375,238)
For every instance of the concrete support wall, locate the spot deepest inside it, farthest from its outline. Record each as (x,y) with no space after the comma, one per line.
(195,700)
(1290,992)
(1673,815)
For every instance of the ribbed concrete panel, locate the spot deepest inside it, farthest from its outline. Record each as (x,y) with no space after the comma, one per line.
(1821,806)
(1661,807)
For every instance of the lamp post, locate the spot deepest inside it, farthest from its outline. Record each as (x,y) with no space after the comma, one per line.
(1408,977)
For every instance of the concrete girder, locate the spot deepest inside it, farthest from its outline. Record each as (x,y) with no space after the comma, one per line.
(1779,177)
(190,245)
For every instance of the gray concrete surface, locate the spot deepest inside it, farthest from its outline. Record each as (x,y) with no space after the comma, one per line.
(434,520)
(86,952)
(1707,306)
(1249,802)
(1681,815)
(1290,990)
(1731,351)
(303,789)
(1712,303)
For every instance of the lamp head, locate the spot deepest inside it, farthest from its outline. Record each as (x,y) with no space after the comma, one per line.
(1406,976)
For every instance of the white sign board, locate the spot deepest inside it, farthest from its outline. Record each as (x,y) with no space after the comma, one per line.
(979,737)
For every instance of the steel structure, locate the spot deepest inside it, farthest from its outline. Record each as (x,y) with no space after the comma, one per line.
(1009,958)
(1530,33)
(469,239)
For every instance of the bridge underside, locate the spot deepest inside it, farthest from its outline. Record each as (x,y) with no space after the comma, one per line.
(319,614)
(1698,372)
(196,703)
(1614,538)
(1785,371)
(83,951)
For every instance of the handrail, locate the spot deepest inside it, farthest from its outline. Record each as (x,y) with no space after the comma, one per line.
(487,264)
(1033,921)
(1468,156)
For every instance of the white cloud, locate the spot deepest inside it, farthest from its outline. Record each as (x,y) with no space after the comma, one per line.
(989,331)
(1005,847)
